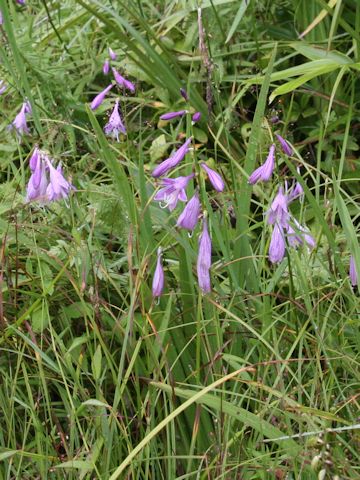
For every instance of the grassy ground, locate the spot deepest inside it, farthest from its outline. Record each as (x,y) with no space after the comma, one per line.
(258,379)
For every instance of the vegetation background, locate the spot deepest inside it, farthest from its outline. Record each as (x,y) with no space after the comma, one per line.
(97,379)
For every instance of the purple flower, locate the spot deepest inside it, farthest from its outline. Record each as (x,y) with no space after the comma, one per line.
(115,124)
(170,115)
(106,67)
(303,234)
(184,94)
(58,187)
(189,216)
(98,100)
(278,212)
(122,81)
(277,245)
(352,272)
(34,159)
(19,122)
(196,117)
(265,171)
(158,280)
(296,192)
(2,86)
(1,18)
(112,54)
(38,183)
(20,2)
(172,161)
(286,148)
(215,179)
(173,190)
(204,259)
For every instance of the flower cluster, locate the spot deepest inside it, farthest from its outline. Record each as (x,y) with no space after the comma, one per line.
(115,125)
(47,183)
(286,229)
(173,190)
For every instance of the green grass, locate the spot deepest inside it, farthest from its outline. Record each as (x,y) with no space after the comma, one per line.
(259,379)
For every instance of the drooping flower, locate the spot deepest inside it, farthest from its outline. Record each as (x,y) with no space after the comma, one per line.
(98,100)
(19,122)
(296,192)
(184,94)
(112,54)
(158,279)
(3,87)
(277,244)
(106,67)
(173,190)
(352,272)
(58,187)
(278,212)
(172,161)
(170,115)
(286,148)
(38,183)
(265,171)
(204,259)
(122,81)
(196,117)
(215,179)
(115,124)
(299,236)
(189,216)
(34,159)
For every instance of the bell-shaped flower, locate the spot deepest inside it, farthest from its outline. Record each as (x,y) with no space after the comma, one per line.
(58,187)
(189,216)
(172,161)
(35,159)
(122,81)
(98,100)
(278,212)
(204,259)
(215,179)
(170,115)
(115,124)
(112,54)
(38,183)
(277,244)
(173,190)
(352,272)
(265,171)
(158,279)
(196,117)
(19,122)
(106,67)
(286,148)
(300,235)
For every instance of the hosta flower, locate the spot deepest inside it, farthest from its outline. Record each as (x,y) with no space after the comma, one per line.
(3,87)
(189,216)
(300,235)
(173,190)
(184,94)
(286,148)
(122,81)
(158,280)
(98,100)
(115,124)
(58,187)
(106,67)
(277,244)
(352,272)
(215,179)
(34,159)
(1,18)
(196,117)
(38,183)
(265,171)
(170,115)
(19,122)
(296,192)
(172,161)
(278,212)
(204,259)
(112,54)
